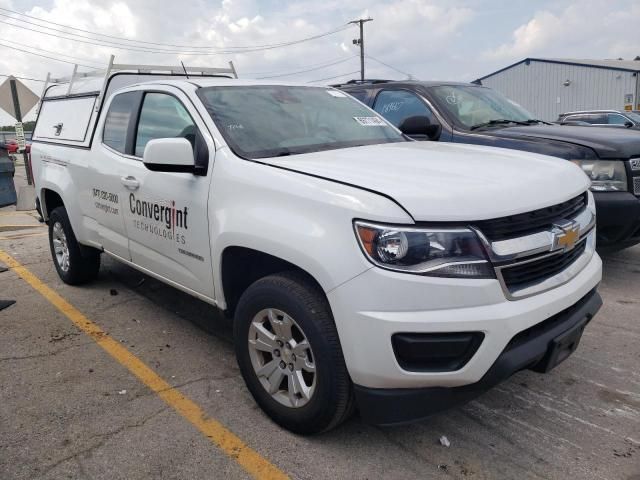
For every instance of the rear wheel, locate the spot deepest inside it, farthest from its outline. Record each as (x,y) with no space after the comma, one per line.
(289,354)
(75,263)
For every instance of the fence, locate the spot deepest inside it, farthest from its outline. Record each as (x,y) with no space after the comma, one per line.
(4,136)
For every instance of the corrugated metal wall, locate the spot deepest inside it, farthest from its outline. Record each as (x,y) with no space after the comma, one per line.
(539,88)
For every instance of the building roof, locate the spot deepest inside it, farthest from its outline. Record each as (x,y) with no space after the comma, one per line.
(611,64)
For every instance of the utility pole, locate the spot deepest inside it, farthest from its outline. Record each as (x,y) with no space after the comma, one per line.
(360,42)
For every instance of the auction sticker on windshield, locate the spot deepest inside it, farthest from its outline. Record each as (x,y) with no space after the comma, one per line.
(370,121)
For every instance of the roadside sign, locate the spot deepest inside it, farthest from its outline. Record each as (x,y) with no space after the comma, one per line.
(628,101)
(22,144)
(26,98)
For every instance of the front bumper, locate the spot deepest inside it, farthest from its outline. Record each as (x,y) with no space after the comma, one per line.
(618,220)
(372,307)
(529,349)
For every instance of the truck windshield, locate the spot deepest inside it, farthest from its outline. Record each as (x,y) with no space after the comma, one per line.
(260,121)
(476,107)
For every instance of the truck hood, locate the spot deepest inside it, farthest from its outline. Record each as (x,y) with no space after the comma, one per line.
(447,182)
(608,143)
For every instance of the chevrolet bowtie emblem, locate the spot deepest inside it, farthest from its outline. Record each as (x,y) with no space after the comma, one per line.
(566,236)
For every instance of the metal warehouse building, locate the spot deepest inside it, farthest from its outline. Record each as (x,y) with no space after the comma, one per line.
(547,86)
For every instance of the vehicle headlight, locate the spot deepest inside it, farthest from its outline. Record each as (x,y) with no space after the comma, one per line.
(455,252)
(605,175)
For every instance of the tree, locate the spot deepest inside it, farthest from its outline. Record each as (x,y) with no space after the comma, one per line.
(28,127)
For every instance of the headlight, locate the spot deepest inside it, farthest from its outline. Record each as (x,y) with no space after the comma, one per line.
(605,175)
(435,252)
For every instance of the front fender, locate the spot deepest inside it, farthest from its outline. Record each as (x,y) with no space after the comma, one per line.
(301,219)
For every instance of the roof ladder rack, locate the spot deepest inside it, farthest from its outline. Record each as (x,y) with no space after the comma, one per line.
(112,68)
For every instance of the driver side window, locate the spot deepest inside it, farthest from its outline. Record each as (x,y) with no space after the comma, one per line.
(163,116)
(397,105)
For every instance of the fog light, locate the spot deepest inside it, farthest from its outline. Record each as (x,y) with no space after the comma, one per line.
(435,352)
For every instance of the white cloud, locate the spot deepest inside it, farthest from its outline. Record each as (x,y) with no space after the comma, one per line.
(447,39)
(580,28)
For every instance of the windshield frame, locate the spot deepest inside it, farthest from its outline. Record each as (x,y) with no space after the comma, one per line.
(633,116)
(290,151)
(451,118)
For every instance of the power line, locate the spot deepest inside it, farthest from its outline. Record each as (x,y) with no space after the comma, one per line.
(47,51)
(308,70)
(336,76)
(45,56)
(22,78)
(274,72)
(133,48)
(339,29)
(389,66)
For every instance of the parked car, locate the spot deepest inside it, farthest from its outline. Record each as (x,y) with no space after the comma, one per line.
(360,267)
(470,113)
(12,146)
(602,118)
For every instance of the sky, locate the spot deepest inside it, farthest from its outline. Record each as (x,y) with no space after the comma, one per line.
(426,39)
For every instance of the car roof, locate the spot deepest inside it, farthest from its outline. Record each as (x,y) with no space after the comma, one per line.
(358,84)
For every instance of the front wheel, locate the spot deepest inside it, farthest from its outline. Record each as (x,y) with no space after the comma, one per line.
(289,354)
(75,263)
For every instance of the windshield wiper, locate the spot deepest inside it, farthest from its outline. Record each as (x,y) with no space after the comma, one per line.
(535,120)
(499,121)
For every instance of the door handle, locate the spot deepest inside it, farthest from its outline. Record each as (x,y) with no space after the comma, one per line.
(130,182)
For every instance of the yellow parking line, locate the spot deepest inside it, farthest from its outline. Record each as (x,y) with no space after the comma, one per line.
(4,227)
(256,465)
(24,235)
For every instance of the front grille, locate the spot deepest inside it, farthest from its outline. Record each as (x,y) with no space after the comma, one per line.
(636,185)
(524,274)
(531,222)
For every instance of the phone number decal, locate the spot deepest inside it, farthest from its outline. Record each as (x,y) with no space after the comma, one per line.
(102,195)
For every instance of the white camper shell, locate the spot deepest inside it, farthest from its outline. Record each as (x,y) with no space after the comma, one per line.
(70,106)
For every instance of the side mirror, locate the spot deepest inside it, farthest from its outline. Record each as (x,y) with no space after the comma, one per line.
(169,155)
(420,126)
(628,124)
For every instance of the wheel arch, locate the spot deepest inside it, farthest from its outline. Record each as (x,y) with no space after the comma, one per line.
(50,199)
(242,266)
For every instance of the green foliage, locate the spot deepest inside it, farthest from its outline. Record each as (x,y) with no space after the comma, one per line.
(28,127)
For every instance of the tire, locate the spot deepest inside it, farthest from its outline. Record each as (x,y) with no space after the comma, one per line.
(75,263)
(293,295)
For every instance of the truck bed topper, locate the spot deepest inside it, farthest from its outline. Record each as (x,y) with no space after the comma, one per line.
(69,106)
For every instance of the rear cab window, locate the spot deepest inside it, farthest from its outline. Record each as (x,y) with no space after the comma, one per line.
(117,121)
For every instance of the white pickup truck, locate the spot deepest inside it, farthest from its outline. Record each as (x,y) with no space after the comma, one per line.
(361,269)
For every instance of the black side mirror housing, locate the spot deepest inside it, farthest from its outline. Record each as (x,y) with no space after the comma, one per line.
(628,124)
(420,126)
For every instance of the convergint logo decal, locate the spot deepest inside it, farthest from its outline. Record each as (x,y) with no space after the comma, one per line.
(163,218)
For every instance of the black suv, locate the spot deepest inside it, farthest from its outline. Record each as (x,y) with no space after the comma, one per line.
(602,118)
(470,113)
